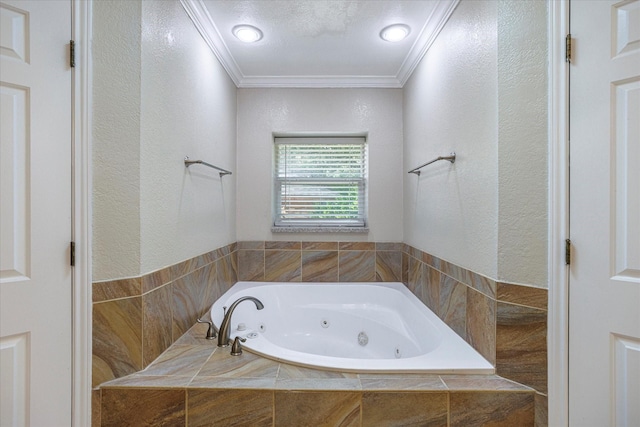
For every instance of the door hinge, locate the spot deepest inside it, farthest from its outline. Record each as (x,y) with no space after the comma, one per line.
(72,254)
(72,53)
(567,252)
(567,46)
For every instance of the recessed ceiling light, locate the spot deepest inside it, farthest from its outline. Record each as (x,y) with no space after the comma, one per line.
(395,32)
(247,33)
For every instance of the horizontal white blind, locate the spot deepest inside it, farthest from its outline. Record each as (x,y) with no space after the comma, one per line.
(320,181)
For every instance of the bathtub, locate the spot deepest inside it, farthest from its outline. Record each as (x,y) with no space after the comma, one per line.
(353,327)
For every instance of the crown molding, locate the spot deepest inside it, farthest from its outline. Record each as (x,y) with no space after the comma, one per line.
(438,18)
(198,13)
(319,82)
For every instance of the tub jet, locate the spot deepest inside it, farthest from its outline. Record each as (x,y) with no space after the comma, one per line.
(363,338)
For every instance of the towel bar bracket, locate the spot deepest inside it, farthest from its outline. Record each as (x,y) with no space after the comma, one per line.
(222,172)
(451,158)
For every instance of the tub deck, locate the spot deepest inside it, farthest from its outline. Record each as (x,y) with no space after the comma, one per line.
(195,383)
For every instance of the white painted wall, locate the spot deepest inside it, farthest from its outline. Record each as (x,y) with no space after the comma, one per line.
(261,112)
(523,142)
(481,91)
(451,211)
(188,109)
(116,138)
(159,94)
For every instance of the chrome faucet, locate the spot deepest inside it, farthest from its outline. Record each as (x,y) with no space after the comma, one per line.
(223,333)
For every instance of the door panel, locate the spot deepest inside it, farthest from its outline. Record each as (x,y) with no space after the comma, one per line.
(604,313)
(35,213)
(14,211)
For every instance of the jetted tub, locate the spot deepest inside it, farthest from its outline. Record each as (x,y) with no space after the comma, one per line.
(354,327)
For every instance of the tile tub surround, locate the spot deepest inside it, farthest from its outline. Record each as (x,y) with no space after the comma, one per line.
(193,383)
(136,319)
(506,323)
(297,261)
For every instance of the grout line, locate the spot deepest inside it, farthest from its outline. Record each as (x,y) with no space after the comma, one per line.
(158,287)
(448,408)
(116,299)
(522,305)
(361,405)
(273,408)
(186,407)
(142,311)
(201,367)
(451,277)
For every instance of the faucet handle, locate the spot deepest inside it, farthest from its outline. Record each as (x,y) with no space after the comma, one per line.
(212,333)
(236,348)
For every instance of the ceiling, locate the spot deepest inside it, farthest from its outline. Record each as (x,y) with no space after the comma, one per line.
(319,43)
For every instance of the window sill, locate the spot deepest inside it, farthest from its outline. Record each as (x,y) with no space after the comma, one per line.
(294,229)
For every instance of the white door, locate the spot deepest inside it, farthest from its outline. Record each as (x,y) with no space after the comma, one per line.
(604,283)
(35,214)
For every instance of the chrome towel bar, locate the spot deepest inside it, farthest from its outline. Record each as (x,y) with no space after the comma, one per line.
(451,158)
(188,163)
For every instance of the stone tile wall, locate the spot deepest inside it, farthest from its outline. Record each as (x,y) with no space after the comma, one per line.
(196,384)
(250,407)
(297,261)
(136,319)
(506,323)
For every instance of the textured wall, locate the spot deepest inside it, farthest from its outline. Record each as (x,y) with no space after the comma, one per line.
(264,111)
(116,138)
(522,136)
(160,94)
(188,108)
(451,105)
(481,91)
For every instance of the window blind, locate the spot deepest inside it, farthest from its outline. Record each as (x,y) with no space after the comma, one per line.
(320,181)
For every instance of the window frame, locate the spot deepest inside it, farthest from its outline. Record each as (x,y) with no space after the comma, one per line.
(359,224)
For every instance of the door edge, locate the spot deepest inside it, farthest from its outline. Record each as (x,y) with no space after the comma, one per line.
(558,278)
(81,18)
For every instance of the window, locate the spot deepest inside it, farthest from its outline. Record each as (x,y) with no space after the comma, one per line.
(320,182)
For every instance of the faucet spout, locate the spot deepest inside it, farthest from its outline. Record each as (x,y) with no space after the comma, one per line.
(223,333)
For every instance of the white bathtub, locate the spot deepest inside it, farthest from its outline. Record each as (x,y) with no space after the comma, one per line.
(354,327)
